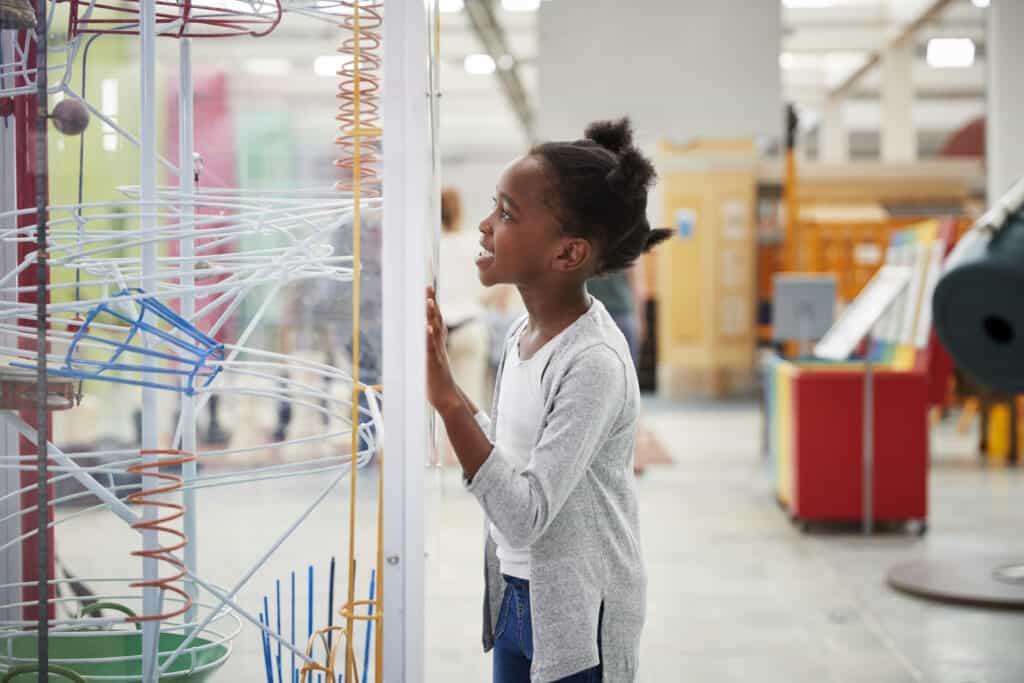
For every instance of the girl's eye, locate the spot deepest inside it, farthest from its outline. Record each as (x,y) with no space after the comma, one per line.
(505,215)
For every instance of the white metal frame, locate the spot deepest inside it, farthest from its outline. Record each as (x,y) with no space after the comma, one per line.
(406,215)
(407,219)
(10,480)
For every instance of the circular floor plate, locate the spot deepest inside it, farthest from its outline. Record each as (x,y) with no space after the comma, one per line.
(986,580)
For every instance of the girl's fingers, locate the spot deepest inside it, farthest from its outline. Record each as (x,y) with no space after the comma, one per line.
(432,314)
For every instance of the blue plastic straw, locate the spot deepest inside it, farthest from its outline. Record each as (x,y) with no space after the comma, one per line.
(330,609)
(277,591)
(295,672)
(266,651)
(369,630)
(309,614)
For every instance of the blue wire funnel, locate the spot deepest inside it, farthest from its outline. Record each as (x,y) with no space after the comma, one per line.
(154,327)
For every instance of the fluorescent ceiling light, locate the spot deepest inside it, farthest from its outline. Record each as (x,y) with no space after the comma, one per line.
(266,66)
(480,64)
(948,53)
(506,62)
(980,3)
(520,5)
(330,65)
(448,6)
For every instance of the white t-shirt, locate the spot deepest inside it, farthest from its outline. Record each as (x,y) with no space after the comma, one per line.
(520,410)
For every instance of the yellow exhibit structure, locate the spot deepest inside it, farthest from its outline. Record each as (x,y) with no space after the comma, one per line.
(706,273)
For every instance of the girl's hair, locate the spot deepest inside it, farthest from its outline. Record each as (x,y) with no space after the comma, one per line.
(600,192)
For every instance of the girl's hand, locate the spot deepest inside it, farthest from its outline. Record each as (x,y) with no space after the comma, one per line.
(442,391)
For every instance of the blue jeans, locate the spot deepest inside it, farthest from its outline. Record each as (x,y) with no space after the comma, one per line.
(513,642)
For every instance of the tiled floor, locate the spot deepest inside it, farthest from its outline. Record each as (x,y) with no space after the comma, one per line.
(736,593)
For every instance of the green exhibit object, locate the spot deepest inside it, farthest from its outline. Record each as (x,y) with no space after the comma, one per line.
(81,652)
(978,306)
(23,670)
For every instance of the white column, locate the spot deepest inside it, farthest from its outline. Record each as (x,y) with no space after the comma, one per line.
(406,183)
(899,140)
(674,79)
(148,224)
(10,479)
(1004,134)
(833,136)
(188,308)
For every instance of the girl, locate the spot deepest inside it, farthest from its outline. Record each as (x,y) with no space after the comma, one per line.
(565,586)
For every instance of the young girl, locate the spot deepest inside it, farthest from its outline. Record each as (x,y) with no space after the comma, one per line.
(565,589)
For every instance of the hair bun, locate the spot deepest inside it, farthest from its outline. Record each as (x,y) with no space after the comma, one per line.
(633,174)
(656,236)
(615,136)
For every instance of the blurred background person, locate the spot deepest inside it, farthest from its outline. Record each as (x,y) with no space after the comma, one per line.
(623,294)
(461,295)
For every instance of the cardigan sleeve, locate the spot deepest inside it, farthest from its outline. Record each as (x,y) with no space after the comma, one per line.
(587,400)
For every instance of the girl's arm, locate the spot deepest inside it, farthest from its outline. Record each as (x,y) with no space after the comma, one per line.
(471,445)
(467,400)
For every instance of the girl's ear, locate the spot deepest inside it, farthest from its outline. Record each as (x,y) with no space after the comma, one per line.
(573,254)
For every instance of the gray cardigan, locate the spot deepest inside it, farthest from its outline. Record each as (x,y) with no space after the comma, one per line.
(575,506)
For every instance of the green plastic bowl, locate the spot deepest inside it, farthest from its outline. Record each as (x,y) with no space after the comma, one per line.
(75,650)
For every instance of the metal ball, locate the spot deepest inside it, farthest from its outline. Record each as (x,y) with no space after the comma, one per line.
(70,116)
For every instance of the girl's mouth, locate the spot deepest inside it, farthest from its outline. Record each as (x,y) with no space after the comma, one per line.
(484,256)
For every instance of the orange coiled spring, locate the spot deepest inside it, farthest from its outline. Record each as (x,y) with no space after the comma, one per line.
(359,110)
(151,497)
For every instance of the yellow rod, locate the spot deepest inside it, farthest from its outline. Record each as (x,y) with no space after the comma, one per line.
(350,654)
(379,626)
(791,239)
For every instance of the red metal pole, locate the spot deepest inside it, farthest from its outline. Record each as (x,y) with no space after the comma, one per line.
(25,149)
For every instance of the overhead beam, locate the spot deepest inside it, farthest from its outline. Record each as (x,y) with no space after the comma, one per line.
(930,13)
(492,36)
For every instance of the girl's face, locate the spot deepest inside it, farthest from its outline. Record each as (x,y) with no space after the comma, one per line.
(521,238)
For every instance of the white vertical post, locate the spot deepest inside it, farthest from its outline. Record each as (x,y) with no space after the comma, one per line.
(186,148)
(834,140)
(899,141)
(10,479)
(406,188)
(148,223)
(1004,136)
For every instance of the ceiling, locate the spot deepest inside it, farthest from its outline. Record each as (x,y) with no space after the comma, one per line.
(822,45)
(823,41)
